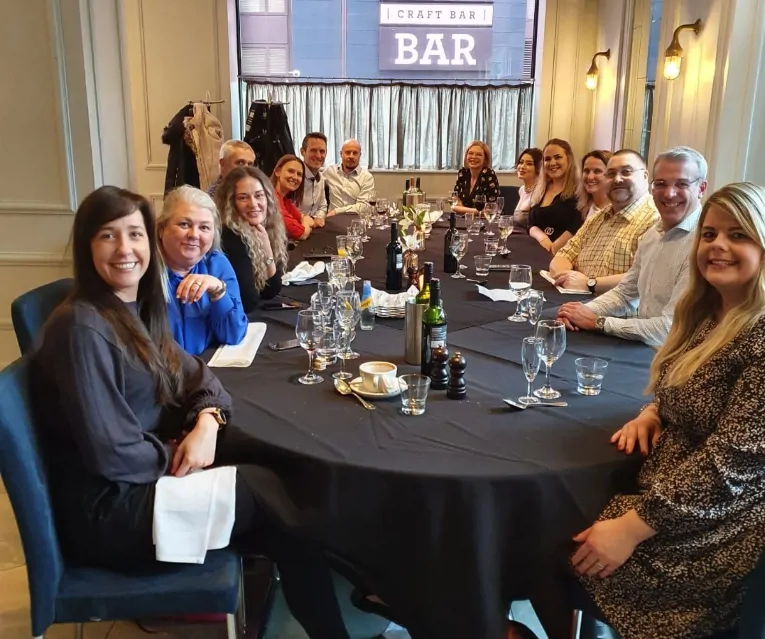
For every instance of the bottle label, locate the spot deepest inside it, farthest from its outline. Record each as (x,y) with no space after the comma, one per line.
(399,261)
(437,336)
(366,303)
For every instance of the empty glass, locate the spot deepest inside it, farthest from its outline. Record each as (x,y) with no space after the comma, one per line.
(491,245)
(482,263)
(500,205)
(519,280)
(490,213)
(382,211)
(331,339)
(353,250)
(414,393)
(458,248)
(338,270)
(531,362)
(532,304)
(470,216)
(505,227)
(348,313)
(551,346)
(589,375)
(308,330)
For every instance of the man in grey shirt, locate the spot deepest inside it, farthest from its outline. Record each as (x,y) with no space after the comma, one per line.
(641,307)
(351,186)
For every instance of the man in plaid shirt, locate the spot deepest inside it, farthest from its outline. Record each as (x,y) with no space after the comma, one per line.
(603,250)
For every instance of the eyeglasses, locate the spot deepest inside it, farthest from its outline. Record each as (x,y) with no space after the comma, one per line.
(626,172)
(680,185)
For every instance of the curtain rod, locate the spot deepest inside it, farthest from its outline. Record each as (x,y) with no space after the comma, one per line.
(248,79)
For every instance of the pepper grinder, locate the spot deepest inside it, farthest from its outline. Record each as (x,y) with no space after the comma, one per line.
(457,388)
(439,373)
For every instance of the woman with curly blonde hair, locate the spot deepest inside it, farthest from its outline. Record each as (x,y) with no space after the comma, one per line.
(253,237)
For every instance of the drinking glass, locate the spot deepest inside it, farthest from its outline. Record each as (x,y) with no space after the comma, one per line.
(531,363)
(452,199)
(500,205)
(330,341)
(365,216)
(324,292)
(490,213)
(348,313)
(382,214)
(532,304)
(589,374)
(475,223)
(414,393)
(552,345)
(482,264)
(469,222)
(341,239)
(491,245)
(353,249)
(308,330)
(393,211)
(505,227)
(520,280)
(458,248)
(338,269)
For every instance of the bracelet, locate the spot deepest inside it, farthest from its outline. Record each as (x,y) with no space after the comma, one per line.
(218,293)
(642,408)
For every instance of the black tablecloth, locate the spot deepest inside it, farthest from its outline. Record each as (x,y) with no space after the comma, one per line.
(452,513)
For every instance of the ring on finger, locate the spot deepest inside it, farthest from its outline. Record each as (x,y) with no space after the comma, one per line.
(600,567)
(196,284)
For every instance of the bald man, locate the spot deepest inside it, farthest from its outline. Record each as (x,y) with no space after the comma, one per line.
(350,185)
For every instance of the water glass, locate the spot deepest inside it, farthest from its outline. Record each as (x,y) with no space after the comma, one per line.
(589,375)
(341,240)
(505,226)
(491,245)
(482,263)
(329,343)
(414,393)
(532,304)
(531,362)
(308,330)
(519,280)
(551,346)
(490,213)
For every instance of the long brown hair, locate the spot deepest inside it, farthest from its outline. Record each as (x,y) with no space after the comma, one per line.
(148,340)
(297,195)
(584,199)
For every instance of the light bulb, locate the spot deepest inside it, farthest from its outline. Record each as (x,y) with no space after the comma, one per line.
(592,81)
(672,66)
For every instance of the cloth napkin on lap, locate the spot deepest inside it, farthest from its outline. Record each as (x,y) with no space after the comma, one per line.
(565,291)
(240,355)
(303,271)
(194,514)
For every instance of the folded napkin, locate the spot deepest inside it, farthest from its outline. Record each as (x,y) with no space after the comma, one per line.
(498,294)
(242,354)
(567,291)
(194,514)
(303,271)
(383,299)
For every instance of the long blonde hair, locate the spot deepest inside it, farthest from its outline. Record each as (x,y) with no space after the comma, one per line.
(572,174)
(745,203)
(225,196)
(486,153)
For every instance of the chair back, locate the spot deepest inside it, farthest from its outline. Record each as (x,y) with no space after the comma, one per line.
(511,195)
(31,310)
(22,471)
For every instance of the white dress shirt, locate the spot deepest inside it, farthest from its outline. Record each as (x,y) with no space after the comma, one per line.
(314,203)
(641,306)
(348,192)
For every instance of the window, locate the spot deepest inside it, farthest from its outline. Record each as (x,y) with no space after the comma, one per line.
(467,64)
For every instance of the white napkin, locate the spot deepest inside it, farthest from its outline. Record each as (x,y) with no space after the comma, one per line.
(498,294)
(194,514)
(303,271)
(566,291)
(242,354)
(383,299)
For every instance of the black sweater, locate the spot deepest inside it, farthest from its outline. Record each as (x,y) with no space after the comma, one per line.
(236,251)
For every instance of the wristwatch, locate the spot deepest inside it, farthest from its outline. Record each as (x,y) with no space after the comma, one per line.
(600,323)
(591,283)
(269,261)
(218,293)
(217,414)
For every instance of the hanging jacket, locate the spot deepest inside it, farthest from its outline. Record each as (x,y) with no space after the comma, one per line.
(268,132)
(181,161)
(204,134)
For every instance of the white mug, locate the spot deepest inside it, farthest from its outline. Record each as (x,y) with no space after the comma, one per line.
(379,377)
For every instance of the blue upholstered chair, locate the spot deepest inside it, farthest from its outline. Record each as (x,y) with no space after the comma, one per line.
(64,593)
(31,310)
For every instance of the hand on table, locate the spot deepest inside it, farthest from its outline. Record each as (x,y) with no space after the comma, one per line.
(193,286)
(573,280)
(319,222)
(197,449)
(644,429)
(576,316)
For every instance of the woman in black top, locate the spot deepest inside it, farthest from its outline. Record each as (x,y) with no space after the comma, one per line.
(475,177)
(119,405)
(554,216)
(253,236)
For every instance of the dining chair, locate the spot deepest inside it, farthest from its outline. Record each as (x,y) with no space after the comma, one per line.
(31,310)
(61,592)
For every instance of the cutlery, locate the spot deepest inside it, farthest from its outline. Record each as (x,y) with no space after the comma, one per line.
(476,281)
(344,388)
(522,406)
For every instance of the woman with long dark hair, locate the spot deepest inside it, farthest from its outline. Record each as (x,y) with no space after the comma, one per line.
(119,405)
(288,180)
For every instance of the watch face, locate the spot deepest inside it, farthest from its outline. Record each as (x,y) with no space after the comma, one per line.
(591,282)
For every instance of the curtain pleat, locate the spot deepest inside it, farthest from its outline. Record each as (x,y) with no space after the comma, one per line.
(403,126)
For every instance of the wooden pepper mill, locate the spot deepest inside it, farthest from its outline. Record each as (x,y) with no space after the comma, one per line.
(439,373)
(456,388)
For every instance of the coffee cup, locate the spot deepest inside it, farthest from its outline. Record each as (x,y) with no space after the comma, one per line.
(379,377)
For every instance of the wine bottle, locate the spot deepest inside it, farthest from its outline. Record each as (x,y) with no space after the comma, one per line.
(406,190)
(433,327)
(423,297)
(417,185)
(450,262)
(394,267)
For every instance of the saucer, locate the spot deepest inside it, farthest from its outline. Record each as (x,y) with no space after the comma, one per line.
(357,387)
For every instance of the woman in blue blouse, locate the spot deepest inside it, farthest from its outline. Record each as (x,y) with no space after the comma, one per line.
(204,304)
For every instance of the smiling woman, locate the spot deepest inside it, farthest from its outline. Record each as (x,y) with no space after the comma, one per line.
(288,180)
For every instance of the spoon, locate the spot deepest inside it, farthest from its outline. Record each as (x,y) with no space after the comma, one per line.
(476,281)
(344,388)
(523,406)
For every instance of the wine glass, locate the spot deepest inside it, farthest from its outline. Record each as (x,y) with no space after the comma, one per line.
(338,269)
(452,199)
(382,211)
(500,205)
(353,249)
(324,293)
(551,346)
(520,280)
(490,213)
(458,247)
(365,216)
(308,330)
(532,304)
(348,313)
(531,362)
(479,202)
(505,227)
(469,223)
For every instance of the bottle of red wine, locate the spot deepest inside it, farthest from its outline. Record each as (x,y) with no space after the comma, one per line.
(433,327)
(450,262)
(394,268)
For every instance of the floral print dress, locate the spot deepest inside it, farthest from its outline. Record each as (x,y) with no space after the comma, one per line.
(486,183)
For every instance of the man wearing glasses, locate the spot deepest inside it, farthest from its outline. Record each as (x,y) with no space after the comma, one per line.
(603,250)
(641,306)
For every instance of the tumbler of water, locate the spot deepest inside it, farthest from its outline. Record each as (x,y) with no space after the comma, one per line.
(589,375)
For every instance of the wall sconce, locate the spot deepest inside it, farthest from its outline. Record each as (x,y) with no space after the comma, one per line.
(592,73)
(673,56)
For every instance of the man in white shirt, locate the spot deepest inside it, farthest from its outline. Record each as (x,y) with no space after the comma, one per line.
(233,153)
(350,186)
(314,152)
(641,306)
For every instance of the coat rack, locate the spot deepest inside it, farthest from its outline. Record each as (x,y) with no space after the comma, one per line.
(207,100)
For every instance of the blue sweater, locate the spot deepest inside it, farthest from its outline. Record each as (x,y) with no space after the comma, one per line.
(197,325)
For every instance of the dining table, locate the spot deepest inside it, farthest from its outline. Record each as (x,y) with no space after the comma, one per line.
(449,515)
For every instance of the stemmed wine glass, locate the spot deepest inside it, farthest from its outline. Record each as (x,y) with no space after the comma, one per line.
(348,313)
(532,304)
(500,205)
(551,346)
(337,270)
(324,293)
(505,227)
(458,247)
(469,223)
(490,213)
(353,250)
(382,211)
(365,216)
(520,280)
(308,330)
(479,202)
(531,362)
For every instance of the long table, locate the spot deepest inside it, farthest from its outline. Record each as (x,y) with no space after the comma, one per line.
(450,514)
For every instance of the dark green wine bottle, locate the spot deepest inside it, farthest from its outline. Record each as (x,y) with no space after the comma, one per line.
(433,327)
